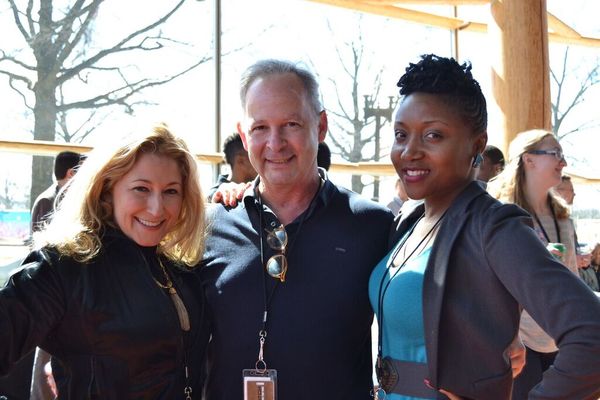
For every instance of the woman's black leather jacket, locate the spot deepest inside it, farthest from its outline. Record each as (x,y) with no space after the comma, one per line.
(112,331)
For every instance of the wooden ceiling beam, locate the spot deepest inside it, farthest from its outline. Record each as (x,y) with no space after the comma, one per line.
(50,148)
(560,28)
(432,2)
(407,15)
(562,33)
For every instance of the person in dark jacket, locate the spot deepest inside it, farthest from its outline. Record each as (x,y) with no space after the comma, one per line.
(110,292)
(65,167)
(462,265)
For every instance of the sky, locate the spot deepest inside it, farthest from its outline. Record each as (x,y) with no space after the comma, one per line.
(294,29)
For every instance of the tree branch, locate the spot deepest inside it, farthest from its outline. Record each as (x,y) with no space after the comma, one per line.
(114,96)
(5,57)
(11,83)
(583,126)
(17,77)
(30,18)
(338,99)
(17,19)
(69,73)
(343,152)
(67,29)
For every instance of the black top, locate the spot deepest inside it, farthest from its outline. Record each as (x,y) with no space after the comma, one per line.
(114,332)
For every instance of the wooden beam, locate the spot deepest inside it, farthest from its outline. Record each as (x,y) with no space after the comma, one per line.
(47,148)
(582,178)
(407,15)
(370,168)
(562,33)
(41,147)
(560,28)
(520,66)
(582,41)
(431,2)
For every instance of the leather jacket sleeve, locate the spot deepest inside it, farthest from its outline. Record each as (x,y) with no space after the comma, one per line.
(32,302)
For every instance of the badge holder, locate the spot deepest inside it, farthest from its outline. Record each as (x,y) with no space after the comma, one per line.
(260,383)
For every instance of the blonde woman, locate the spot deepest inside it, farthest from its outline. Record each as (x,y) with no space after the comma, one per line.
(110,292)
(535,167)
(595,260)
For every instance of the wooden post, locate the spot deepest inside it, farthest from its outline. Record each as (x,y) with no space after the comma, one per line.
(518,32)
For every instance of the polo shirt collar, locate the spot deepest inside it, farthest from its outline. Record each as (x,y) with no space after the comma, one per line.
(326,193)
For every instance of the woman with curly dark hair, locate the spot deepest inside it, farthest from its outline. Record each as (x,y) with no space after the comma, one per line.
(448,296)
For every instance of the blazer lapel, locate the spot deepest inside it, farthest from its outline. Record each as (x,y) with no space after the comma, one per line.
(404,221)
(435,275)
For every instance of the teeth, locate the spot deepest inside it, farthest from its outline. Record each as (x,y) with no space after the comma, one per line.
(149,223)
(412,172)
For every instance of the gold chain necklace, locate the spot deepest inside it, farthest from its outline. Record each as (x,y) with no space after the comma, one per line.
(182,313)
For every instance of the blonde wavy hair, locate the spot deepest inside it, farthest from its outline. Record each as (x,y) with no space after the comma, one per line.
(76,227)
(509,185)
(595,254)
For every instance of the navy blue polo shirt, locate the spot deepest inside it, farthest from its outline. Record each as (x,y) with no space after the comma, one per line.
(319,319)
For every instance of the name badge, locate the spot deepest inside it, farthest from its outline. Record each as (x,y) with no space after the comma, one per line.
(260,384)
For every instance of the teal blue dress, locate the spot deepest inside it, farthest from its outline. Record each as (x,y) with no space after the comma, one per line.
(403,332)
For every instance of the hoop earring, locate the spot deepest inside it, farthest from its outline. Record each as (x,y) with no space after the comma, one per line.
(477,160)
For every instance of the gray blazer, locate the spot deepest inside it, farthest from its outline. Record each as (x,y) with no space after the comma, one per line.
(485,263)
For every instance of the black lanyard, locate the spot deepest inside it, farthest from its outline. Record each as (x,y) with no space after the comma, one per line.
(383,289)
(268,297)
(555,224)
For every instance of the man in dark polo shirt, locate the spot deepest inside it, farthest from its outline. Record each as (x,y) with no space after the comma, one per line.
(286,272)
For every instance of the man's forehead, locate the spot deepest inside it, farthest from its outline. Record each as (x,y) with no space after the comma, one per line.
(287,84)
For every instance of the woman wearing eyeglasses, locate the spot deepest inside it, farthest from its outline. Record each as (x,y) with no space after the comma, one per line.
(448,295)
(535,167)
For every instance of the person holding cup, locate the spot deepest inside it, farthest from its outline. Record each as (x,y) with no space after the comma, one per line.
(536,161)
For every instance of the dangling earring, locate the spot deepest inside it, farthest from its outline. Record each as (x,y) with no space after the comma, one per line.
(477,160)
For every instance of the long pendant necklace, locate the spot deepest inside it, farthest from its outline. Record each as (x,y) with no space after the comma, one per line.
(386,375)
(182,313)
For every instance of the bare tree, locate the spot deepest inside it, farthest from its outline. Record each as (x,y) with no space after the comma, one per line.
(58,38)
(357,119)
(563,103)
(7,198)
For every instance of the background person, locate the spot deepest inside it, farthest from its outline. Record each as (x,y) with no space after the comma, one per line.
(110,294)
(18,383)
(566,190)
(535,167)
(595,261)
(399,199)
(324,156)
(492,164)
(65,167)
(448,295)
(236,156)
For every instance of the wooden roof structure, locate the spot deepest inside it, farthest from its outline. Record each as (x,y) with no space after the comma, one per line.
(558,31)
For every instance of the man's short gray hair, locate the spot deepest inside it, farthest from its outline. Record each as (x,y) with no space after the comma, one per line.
(269,67)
